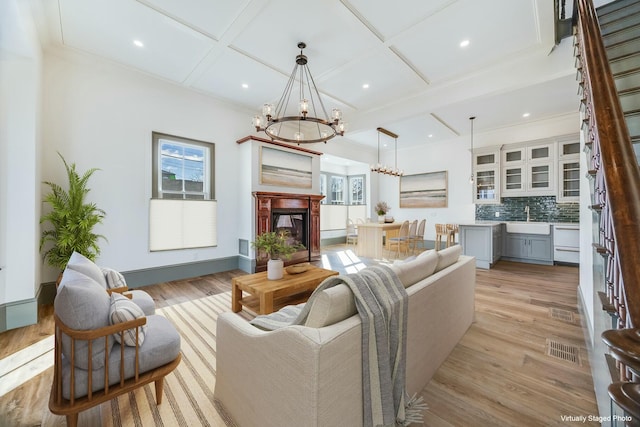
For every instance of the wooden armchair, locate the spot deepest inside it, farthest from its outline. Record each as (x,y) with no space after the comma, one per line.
(105,347)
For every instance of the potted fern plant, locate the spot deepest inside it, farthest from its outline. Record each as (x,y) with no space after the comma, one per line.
(71,219)
(275,244)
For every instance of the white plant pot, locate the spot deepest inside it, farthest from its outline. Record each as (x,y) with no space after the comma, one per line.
(381,219)
(275,269)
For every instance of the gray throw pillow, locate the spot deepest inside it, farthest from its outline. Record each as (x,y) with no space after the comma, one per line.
(123,310)
(113,278)
(84,265)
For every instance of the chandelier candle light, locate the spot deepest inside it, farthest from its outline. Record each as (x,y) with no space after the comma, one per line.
(302,124)
(383,169)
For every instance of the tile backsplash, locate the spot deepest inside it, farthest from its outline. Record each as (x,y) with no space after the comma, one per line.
(541,209)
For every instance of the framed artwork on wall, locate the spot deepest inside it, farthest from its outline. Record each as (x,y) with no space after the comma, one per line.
(425,190)
(285,169)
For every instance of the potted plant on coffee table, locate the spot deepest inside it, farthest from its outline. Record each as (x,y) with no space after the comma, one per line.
(71,220)
(275,244)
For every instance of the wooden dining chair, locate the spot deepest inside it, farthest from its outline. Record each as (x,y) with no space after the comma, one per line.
(352,233)
(413,228)
(452,230)
(417,238)
(401,240)
(441,233)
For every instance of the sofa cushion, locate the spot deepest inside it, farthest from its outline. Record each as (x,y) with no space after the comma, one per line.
(123,310)
(330,306)
(402,261)
(448,256)
(413,271)
(426,253)
(84,265)
(83,304)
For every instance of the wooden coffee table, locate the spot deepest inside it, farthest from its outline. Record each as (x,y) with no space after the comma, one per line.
(266,296)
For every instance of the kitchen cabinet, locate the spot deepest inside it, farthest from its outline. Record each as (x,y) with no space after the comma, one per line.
(528,170)
(566,243)
(568,171)
(513,171)
(486,172)
(531,248)
(482,241)
(569,148)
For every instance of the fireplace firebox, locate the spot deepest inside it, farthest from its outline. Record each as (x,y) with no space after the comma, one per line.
(298,214)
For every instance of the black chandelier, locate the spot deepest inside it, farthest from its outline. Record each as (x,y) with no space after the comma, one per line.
(304,124)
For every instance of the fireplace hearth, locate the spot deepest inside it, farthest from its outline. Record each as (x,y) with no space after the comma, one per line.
(299,214)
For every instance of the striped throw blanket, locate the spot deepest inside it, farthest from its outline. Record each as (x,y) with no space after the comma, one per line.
(382,304)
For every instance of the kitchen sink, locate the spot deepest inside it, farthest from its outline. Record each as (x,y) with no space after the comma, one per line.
(528,227)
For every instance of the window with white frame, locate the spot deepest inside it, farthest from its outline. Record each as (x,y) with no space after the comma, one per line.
(343,190)
(182,168)
(337,190)
(182,212)
(356,190)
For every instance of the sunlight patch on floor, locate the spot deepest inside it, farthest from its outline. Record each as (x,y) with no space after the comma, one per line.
(25,364)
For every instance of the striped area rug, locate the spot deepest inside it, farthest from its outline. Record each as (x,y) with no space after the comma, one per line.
(188,391)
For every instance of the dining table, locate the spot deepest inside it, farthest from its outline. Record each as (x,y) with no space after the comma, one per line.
(370,244)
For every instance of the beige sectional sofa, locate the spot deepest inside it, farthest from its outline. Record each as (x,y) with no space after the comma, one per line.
(312,375)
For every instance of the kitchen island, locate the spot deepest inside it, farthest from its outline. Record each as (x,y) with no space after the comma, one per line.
(483,240)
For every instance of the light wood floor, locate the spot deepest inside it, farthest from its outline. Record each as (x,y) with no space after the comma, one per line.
(499,374)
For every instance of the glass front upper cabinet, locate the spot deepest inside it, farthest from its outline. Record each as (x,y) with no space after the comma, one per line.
(486,171)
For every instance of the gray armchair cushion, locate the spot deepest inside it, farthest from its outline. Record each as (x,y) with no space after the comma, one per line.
(83,304)
(161,346)
(143,300)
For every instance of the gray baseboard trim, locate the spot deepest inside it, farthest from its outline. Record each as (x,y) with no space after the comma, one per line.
(18,314)
(247,265)
(150,276)
(167,273)
(329,241)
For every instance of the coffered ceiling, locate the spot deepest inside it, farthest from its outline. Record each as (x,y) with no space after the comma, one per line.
(422,84)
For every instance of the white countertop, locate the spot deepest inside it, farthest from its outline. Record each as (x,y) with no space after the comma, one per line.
(492,223)
(482,223)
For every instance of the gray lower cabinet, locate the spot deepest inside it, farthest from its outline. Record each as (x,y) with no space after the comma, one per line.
(532,248)
(484,242)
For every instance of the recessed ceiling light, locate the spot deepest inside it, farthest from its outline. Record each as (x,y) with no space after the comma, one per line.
(464,43)
(525,115)
(245,86)
(430,135)
(365,86)
(138,43)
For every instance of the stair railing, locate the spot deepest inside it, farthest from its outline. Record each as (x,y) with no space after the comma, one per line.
(617,174)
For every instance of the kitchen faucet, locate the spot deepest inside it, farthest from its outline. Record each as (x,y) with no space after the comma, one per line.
(526,209)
